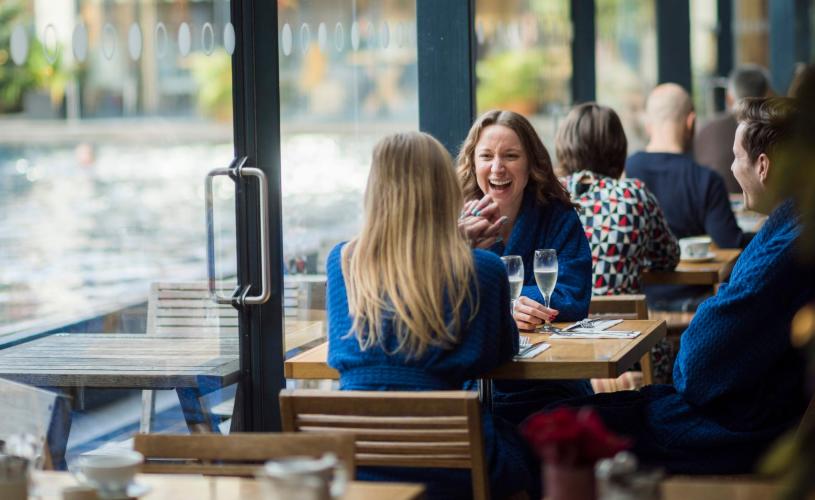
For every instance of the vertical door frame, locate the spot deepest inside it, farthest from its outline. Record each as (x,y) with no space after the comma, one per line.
(256,105)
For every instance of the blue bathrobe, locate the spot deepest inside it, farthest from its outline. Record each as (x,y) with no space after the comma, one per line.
(554,226)
(738,382)
(488,341)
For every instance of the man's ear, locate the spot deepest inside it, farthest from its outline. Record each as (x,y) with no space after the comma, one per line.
(690,121)
(764,165)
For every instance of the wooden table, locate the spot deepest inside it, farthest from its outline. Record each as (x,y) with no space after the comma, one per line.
(709,273)
(565,359)
(174,487)
(718,488)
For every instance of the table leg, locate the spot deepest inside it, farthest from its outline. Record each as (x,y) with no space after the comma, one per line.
(56,438)
(485,393)
(198,417)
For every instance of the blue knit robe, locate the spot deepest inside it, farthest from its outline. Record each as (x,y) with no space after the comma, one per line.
(738,382)
(488,341)
(553,226)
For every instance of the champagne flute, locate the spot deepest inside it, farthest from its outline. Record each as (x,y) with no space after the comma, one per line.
(545,266)
(515,272)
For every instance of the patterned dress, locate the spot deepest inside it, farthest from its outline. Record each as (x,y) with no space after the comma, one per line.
(627,234)
(626,230)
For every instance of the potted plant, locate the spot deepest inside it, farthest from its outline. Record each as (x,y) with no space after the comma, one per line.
(569,442)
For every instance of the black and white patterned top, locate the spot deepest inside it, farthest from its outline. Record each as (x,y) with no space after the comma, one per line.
(626,229)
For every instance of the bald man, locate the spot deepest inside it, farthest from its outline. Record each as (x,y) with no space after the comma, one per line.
(693,198)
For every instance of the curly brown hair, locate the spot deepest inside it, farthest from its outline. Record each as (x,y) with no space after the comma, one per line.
(542,180)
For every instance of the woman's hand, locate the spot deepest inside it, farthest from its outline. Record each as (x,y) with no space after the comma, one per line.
(528,313)
(481,223)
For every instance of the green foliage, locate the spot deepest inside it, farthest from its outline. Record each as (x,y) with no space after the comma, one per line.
(36,73)
(509,77)
(213,76)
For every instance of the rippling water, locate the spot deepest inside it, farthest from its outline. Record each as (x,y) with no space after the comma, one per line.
(86,229)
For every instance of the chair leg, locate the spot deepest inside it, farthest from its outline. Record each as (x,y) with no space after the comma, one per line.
(647,369)
(148,409)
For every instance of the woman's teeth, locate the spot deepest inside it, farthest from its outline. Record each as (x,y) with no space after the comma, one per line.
(501,183)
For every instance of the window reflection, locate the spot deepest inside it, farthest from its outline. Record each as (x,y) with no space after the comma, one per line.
(524,60)
(340,91)
(626,61)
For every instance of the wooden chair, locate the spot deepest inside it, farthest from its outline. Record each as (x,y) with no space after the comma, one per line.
(237,454)
(183,309)
(397,429)
(625,307)
(186,309)
(40,413)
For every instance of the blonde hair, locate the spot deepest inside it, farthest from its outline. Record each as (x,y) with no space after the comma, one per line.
(410,260)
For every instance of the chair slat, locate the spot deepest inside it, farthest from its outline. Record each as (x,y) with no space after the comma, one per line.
(442,462)
(385,422)
(401,448)
(393,434)
(184,453)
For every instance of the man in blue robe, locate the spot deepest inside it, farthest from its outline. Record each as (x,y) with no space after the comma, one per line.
(738,382)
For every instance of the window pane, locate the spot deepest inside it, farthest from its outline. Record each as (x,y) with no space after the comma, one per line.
(348,77)
(112,114)
(626,61)
(704,45)
(524,60)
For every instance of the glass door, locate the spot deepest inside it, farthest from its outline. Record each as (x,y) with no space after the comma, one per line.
(128,204)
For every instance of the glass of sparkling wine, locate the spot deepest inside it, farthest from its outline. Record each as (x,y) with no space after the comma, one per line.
(515,272)
(545,266)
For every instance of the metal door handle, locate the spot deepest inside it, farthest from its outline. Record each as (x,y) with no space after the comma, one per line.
(263,220)
(229,171)
(240,296)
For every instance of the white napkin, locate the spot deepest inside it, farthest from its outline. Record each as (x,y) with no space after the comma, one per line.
(533,351)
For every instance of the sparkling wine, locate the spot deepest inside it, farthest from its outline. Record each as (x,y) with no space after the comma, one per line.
(515,287)
(546,279)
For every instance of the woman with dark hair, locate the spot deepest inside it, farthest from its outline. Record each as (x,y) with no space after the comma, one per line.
(625,226)
(504,160)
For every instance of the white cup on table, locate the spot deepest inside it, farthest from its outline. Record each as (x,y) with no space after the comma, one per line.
(108,473)
(695,247)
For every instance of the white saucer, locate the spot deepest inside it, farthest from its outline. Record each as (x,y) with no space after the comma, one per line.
(704,258)
(134,490)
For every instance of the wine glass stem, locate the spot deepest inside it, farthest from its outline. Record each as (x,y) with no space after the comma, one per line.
(546,303)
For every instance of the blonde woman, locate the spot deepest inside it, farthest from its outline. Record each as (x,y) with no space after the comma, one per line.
(412,307)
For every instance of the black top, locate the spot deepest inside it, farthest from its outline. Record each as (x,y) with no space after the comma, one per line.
(693,198)
(713,147)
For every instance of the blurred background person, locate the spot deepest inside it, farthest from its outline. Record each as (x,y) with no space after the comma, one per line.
(713,144)
(693,197)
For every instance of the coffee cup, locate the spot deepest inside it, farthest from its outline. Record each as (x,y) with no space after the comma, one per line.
(695,247)
(109,473)
(304,477)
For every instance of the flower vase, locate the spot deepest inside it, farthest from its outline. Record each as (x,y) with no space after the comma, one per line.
(567,482)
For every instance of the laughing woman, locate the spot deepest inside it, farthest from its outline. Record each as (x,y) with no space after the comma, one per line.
(503,159)
(411,307)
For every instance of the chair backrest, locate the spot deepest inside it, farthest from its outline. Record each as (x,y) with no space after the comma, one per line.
(185,308)
(619,306)
(397,429)
(42,414)
(236,454)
